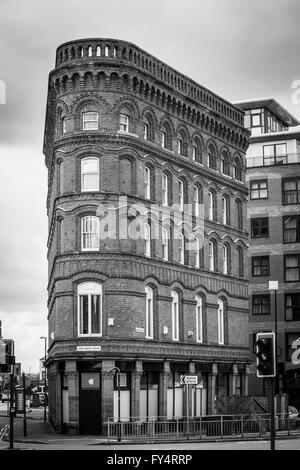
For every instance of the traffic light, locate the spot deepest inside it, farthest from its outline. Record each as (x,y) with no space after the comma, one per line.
(6,355)
(265,354)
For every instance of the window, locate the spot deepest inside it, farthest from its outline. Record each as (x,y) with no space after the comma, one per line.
(259,189)
(165,190)
(261,304)
(147,232)
(291,191)
(175,316)
(292,268)
(149,313)
(225,167)
(90,121)
(237,169)
(90,233)
(225,210)
(225,259)
(254,120)
(163,139)
(289,340)
(210,206)
(291,229)
(211,254)
(90,174)
(197,253)
(260,227)
(146,132)
(196,200)
(89,309)
(180,195)
(239,212)
(260,266)
(147,182)
(63,125)
(197,151)
(240,256)
(220,321)
(194,152)
(124,123)
(199,319)
(211,157)
(165,244)
(292,307)
(274,154)
(181,248)
(179,146)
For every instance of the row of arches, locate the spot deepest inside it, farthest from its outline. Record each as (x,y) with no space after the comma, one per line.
(154,95)
(152,66)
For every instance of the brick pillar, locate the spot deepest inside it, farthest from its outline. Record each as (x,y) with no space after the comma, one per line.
(107,387)
(246,380)
(233,379)
(135,390)
(73,389)
(211,392)
(163,390)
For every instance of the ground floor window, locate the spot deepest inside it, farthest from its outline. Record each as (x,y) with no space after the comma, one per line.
(175,396)
(149,395)
(124,396)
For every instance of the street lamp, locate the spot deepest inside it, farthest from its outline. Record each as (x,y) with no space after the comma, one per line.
(45,379)
(117,371)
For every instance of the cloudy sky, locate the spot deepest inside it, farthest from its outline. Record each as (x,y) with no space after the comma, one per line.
(237,48)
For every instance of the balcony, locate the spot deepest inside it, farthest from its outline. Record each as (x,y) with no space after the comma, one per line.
(272,160)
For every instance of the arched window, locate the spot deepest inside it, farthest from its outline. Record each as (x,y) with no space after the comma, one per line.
(225,166)
(196,199)
(98,51)
(212,255)
(90,233)
(226,254)
(199,319)
(90,121)
(175,316)
(89,309)
(165,136)
(147,232)
(240,259)
(239,214)
(63,125)
(181,248)
(212,209)
(181,195)
(147,181)
(197,151)
(221,321)
(90,51)
(237,169)
(60,178)
(225,210)
(90,174)
(106,51)
(165,244)
(197,253)
(124,123)
(212,158)
(149,313)
(165,190)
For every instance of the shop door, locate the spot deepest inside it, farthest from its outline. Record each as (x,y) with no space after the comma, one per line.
(90,403)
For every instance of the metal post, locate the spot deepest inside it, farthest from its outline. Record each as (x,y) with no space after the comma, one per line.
(272,414)
(24,406)
(45,379)
(119,406)
(276,342)
(187,410)
(11,412)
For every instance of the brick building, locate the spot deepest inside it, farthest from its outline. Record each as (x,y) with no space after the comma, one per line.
(273,175)
(121,123)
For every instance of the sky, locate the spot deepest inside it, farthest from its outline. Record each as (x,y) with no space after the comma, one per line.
(239,49)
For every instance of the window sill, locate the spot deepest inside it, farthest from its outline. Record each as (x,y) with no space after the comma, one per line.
(129,134)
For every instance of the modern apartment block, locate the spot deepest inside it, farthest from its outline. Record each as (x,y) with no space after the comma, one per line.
(125,133)
(273,175)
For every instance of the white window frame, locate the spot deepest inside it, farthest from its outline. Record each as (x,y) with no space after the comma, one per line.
(224,210)
(147,233)
(89,289)
(147,181)
(63,125)
(197,253)
(211,254)
(149,313)
(179,146)
(196,201)
(180,195)
(165,190)
(124,123)
(225,259)
(85,234)
(210,206)
(91,172)
(181,248)
(163,139)
(165,244)
(221,339)
(194,152)
(199,319)
(146,132)
(175,316)
(85,120)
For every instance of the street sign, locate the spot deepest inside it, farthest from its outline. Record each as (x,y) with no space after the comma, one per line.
(88,348)
(188,379)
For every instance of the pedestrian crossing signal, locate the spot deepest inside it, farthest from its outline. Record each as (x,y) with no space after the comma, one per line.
(265,355)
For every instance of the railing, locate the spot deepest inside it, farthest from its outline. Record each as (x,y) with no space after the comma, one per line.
(205,427)
(273,160)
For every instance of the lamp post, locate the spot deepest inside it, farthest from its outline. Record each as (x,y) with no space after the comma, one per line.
(117,371)
(45,379)
(273,285)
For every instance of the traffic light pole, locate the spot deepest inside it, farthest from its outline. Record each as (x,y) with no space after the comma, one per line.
(11,413)
(272,413)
